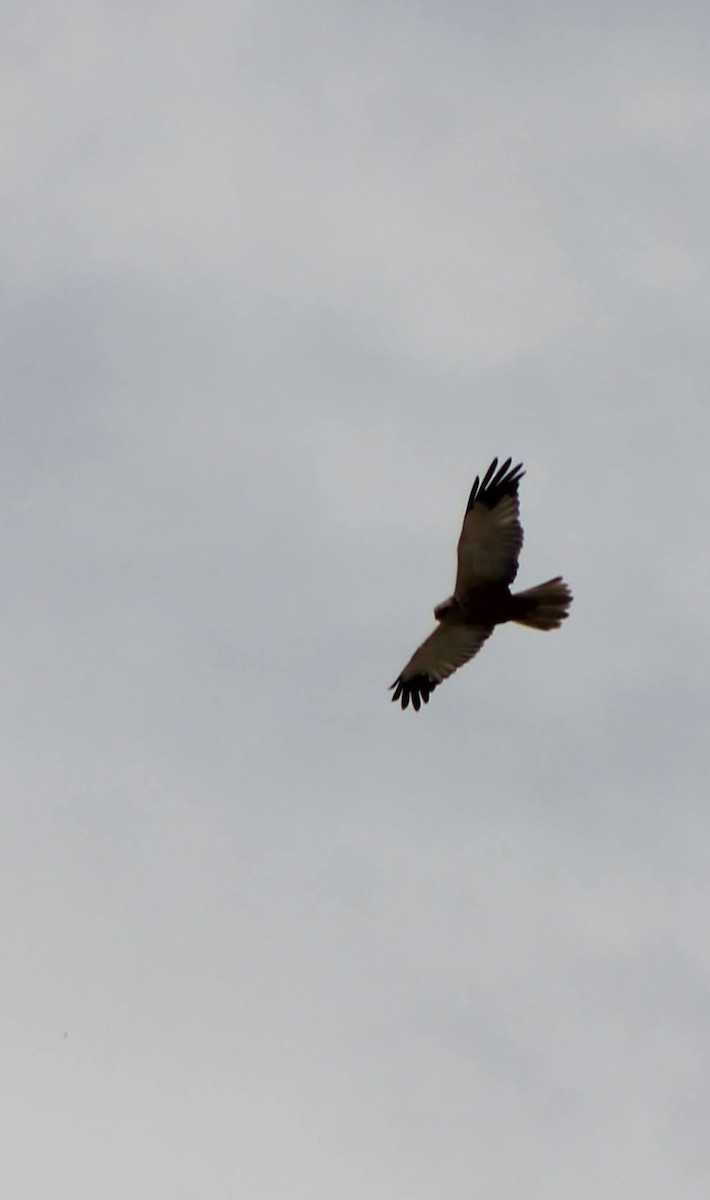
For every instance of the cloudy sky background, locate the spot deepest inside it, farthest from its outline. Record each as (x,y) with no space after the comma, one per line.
(277,281)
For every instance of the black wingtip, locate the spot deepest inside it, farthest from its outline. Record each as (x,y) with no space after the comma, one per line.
(496,483)
(418,689)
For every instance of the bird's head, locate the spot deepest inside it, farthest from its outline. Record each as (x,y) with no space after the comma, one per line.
(446,609)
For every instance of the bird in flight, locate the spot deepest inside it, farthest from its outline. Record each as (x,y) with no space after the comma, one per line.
(488,552)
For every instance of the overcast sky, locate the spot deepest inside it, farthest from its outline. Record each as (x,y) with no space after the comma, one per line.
(278,280)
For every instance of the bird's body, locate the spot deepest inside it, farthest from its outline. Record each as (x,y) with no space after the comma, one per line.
(490,605)
(488,552)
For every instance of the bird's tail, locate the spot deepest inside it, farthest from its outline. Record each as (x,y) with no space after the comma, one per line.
(544,606)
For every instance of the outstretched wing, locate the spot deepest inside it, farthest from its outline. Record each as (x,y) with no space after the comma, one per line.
(444,651)
(492,536)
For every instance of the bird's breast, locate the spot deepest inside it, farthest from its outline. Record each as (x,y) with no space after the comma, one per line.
(488,605)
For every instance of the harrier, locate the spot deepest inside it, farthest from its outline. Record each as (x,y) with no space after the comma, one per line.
(488,552)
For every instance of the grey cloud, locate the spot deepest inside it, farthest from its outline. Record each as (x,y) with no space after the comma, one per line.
(278,281)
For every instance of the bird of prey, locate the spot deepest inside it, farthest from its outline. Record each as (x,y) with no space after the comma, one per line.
(488,551)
